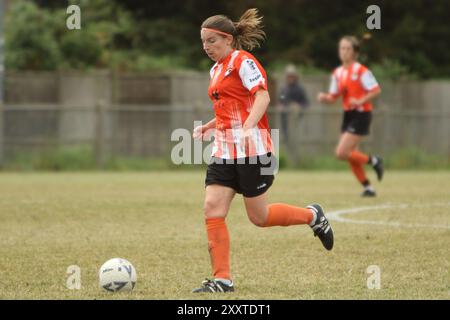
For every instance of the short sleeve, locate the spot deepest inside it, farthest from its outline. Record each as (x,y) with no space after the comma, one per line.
(334,87)
(252,77)
(368,81)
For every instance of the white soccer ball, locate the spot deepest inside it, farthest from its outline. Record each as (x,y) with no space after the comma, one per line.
(117,275)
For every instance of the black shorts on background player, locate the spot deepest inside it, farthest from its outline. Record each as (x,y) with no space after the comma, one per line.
(244,175)
(356,122)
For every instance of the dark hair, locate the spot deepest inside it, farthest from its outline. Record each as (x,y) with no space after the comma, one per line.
(247,32)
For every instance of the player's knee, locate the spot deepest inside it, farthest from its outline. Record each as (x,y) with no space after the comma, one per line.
(212,209)
(342,154)
(257,220)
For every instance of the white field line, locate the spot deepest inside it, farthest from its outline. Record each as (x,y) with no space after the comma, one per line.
(337,215)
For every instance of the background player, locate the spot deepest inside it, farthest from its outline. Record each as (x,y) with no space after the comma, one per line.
(357,86)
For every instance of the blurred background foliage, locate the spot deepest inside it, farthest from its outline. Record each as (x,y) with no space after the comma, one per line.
(144,35)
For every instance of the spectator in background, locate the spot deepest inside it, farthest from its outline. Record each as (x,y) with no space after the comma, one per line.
(292,95)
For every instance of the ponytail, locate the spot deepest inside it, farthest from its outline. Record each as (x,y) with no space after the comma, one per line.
(248,30)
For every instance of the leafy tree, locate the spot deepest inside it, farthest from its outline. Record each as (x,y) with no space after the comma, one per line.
(147,35)
(30,38)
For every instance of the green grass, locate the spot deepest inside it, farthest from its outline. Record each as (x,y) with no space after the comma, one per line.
(49,221)
(83,158)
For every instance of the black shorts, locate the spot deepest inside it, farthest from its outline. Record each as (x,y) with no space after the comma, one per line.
(249,176)
(356,122)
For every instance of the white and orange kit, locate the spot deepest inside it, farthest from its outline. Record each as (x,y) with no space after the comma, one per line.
(353,82)
(234,81)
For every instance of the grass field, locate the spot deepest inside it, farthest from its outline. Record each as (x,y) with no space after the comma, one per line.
(49,221)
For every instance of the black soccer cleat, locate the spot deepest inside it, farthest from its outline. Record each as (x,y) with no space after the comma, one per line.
(368,193)
(214,286)
(378,167)
(321,227)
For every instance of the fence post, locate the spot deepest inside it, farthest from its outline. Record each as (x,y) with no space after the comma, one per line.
(2,76)
(99,145)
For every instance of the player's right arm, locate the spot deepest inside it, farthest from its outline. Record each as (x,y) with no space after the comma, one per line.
(199,131)
(326,97)
(333,92)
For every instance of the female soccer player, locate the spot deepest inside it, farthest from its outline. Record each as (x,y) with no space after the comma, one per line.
(357,86)
(242,151)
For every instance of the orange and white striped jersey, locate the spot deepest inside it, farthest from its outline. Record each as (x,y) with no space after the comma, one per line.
(353,82)
(234,82)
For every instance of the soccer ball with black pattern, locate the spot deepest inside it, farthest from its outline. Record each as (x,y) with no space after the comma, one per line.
(117,275)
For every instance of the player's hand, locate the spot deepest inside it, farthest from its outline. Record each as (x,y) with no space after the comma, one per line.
(355,102)
(199,132)
(245,138)
(323,97)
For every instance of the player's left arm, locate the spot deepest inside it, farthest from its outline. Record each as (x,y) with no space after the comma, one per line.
(254,79)
(370,84)
(262,100)
(259,108)
(368,97)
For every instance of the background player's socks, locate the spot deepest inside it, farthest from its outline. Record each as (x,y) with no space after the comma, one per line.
(357,160)
(358,157)
(358,171)
(281,214)
(219,247)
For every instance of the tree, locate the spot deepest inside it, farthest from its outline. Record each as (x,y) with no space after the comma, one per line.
(30,38)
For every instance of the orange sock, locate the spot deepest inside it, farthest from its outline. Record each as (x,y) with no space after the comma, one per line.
(219,247)
(357,160)
(358,171)
(358,157)
(281,214)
